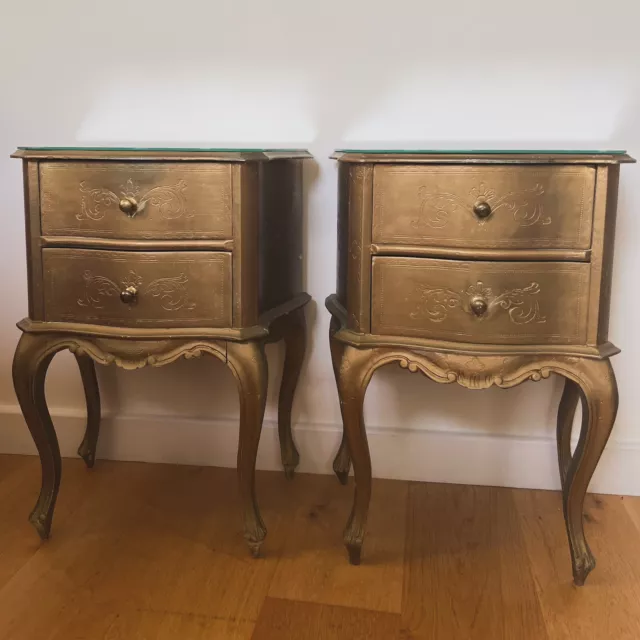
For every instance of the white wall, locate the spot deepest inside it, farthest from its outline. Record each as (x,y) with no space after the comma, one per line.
(464,73)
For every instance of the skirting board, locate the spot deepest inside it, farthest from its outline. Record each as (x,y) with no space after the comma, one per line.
(429,456)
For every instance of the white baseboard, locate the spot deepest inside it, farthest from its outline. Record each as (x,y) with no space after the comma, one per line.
(430,456)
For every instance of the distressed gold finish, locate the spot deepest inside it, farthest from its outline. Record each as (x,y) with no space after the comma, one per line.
(144,200)
(488,302)
(156,257)
(186,288)
(485,270)
(484,207)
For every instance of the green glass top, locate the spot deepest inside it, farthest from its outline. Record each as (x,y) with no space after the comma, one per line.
(604,152)
(183,149)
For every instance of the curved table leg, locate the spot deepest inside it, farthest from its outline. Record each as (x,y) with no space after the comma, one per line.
(87,448)
(342,461)
(566,413)
(353,378)
(30,363)
(294,334)
(599,394)
(249,366)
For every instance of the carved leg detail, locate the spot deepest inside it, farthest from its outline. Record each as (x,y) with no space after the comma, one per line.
(599,394)
(342,461)
(30,363)
(295,340)
(353,378)
(249,366)
(87,449)
(566,413)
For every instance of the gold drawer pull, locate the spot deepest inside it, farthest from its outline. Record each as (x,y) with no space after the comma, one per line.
(479,306)
(129,295)
(129,206)
(482,209)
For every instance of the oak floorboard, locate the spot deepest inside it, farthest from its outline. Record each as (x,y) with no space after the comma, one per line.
(156,552)
(608,606)
(291,620)
(314,566)
(467,572)
(154,538)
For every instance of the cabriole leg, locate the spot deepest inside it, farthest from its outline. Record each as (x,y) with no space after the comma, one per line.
(249,365)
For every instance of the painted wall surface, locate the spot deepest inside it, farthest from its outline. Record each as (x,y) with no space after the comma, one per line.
(460,74)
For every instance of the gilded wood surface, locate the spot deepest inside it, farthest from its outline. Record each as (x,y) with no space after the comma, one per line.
(358,248)
(594,379)
(87,448)
(540,303)
(246,212)
(171,200)
(172,288)
(530,207)
(31,179)
(136,264)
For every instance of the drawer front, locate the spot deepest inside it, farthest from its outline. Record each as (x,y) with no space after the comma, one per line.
(443,206)
(162,289)
(482,302)
(136,200)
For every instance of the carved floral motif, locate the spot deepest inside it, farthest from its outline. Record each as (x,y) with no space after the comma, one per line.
(435,303)
(170,201)
(172,292)
(437,208)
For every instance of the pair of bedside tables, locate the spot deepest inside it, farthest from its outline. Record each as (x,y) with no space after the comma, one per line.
(481,268)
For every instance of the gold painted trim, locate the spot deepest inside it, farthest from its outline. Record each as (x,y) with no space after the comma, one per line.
(604,227)
(368,340)
(136,245)
(31,177)
(533,255)
(76,328)
(359,247)
(245,184)
(233,335)
(603,185)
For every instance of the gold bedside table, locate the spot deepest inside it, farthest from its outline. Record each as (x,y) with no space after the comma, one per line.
(141,256)
(481,268)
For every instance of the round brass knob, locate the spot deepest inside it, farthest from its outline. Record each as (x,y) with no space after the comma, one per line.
(128,205)
(482,209)
(129,295)
(479,306)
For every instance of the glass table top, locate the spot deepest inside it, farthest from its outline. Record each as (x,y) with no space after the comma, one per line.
(607,152)
(183,149)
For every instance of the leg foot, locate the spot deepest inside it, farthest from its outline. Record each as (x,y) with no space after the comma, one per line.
(30,363)
(354,553)
(583,566)
(294,334)
(87,448)
(249,366)
(599,394)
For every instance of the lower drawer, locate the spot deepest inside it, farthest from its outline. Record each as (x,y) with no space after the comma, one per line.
(136,289)
(481,302)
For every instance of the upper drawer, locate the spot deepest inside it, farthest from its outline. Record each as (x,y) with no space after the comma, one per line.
(501,207)
(145,200)
(138,289)
(484,302)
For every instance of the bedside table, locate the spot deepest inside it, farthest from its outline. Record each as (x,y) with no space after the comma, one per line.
(137,257)
(481,268)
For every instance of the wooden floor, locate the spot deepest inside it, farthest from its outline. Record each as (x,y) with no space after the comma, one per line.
(156,552)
